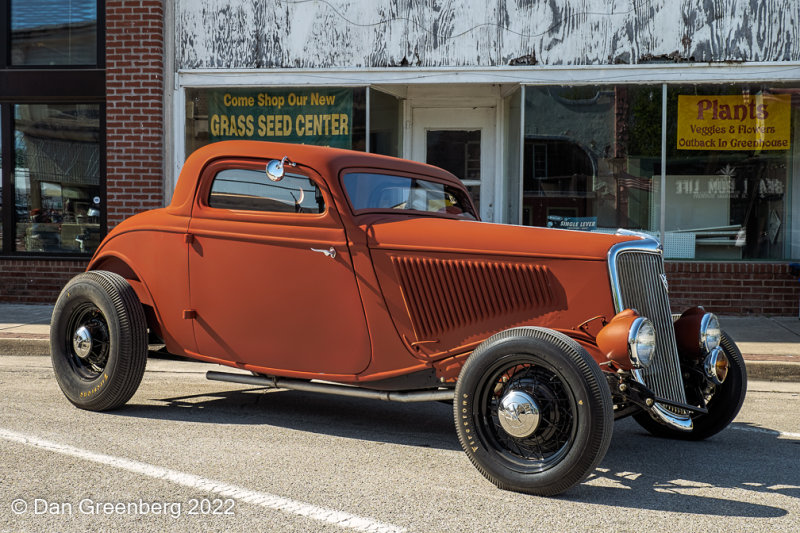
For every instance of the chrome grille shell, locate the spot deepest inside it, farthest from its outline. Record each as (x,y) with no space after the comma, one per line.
(636,270)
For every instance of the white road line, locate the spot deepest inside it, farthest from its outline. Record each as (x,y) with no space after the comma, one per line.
(241,494)
(768,431)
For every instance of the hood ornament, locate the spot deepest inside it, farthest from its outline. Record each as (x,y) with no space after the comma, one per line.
(664,281)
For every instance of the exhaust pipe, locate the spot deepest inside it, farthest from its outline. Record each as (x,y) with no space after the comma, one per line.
(340,390)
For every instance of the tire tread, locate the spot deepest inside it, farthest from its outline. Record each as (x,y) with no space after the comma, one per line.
(598,441)
(131,338)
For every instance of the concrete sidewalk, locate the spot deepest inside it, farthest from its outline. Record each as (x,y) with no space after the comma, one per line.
(771,346)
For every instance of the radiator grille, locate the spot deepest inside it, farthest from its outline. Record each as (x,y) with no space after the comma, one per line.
(443,295)
(641,287)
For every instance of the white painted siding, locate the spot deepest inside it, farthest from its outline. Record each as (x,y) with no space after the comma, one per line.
(234,34)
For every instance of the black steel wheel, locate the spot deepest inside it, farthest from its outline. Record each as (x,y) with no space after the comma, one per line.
(98,341)
(532,411)
(723,407)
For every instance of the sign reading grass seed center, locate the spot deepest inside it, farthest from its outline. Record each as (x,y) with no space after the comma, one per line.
(309,116)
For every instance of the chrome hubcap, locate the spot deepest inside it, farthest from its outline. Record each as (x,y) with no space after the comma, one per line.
(518,414)
(82,342)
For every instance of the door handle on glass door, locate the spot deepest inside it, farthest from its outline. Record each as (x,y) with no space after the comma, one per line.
(328,253)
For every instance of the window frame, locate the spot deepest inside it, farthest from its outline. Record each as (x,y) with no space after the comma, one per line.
(9,204)
(43,84)
(5,42)
(267,183)
(202,209)
(401,212)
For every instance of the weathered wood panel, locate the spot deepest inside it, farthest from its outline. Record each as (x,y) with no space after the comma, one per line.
(386,33)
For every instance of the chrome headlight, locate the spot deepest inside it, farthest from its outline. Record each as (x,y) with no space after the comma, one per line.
(710,334)
(716,366)
(642,342)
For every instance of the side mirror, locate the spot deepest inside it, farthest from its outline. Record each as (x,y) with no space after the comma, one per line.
(275,170)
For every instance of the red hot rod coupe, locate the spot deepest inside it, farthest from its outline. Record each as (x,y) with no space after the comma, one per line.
(341,272)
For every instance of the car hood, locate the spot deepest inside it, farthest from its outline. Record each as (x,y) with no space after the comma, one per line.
(428,234)
(449,284)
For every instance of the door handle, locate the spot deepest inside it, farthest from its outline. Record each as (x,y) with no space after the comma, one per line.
(327,253)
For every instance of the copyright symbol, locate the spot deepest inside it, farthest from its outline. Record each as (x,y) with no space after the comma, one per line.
(19,506)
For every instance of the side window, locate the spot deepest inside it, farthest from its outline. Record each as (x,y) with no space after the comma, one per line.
(251,190)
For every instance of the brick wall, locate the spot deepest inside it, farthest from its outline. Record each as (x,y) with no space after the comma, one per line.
(32,281)
(134,106)
(724,288)
(734,288)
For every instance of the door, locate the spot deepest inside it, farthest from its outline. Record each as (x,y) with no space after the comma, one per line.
(271,279)
(461,141)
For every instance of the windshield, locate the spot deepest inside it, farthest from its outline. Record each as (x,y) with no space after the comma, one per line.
(369,192)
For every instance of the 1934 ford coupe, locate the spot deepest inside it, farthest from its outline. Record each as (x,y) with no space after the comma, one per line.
(341,272)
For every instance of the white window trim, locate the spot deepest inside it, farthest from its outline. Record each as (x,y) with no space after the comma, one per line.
(545,75)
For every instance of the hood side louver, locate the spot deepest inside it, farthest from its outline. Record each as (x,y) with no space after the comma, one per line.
(442,295)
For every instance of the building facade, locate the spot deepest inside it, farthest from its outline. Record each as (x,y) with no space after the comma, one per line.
(675,120)
(81,133)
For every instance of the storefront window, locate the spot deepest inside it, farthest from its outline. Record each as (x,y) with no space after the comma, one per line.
(53,32)
(384,124)
(592,161)
(326,116)
(730,153)
(590,155)
(513,188)
(57,178)
(1,186)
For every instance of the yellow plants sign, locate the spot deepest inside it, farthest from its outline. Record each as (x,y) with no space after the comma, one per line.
(743,122)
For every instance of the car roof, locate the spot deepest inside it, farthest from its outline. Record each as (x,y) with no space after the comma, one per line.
(328,162)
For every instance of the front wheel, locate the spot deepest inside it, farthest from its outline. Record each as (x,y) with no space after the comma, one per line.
(98,341)
(723,407)
(532,411)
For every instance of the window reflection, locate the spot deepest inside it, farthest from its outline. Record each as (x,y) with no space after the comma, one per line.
(250,190)
(57,178)
(1,190)
(384,124)
(591,157)
(729,166)
(54,32)
(458,152)
(368,192)
(592,161)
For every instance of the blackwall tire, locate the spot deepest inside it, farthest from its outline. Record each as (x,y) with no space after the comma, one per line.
(722,408)
(575,421)
(103,372)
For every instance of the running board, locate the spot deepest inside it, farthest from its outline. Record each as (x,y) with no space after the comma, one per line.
(340,390)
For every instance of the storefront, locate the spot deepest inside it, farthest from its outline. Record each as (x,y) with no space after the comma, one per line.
(54,190)
(80,133)
(679,122)
(558,148)
(580,156)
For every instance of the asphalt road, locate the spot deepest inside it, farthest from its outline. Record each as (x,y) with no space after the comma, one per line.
(187,454)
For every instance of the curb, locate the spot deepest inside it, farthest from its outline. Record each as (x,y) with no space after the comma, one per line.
(757,370)
(772,371)
(21,346)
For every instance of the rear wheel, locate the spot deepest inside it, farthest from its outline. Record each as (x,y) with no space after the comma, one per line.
(98,341)
(723,407)
(532,411)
